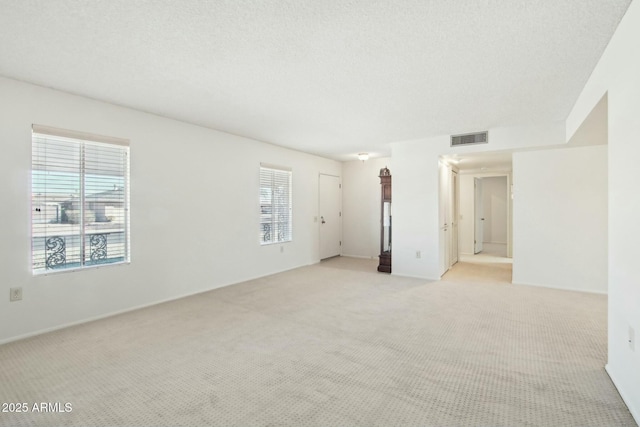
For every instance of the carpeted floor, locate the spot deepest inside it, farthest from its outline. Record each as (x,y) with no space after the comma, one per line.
(334,344)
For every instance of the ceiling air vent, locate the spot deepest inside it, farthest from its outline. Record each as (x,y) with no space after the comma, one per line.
(469,139)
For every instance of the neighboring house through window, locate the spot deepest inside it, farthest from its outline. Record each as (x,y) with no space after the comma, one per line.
(275,204)
(79,200)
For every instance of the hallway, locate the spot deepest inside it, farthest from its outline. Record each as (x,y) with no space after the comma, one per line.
(489,266)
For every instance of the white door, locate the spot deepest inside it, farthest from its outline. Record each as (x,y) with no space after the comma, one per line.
(445,213)
(478,215)
(454,218)
(330,216)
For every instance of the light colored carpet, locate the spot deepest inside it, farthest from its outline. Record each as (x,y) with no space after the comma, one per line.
(480,272)
(334,344)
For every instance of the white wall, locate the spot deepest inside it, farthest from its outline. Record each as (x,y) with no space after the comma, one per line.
(361,206)
(618,76)
(416,188)
(494,193)
(560,218)
(178,171)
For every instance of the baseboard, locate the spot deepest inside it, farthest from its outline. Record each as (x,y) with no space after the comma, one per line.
(130,309)
(537,285)
(359,256)
(414,277)
(635,411)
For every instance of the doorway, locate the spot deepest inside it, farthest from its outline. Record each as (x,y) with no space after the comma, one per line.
(448,215)
(475,214)
(491,215)
(478,216)
(453,257)
(330,216)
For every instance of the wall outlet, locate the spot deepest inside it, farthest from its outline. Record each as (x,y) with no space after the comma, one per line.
(315,219)
(281,249)
(15,294)
(632,339)
(418,254)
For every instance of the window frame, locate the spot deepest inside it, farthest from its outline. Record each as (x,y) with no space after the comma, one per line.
(97,143)
(273,222)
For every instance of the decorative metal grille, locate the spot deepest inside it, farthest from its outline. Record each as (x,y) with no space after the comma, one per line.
(266,228)
(98,248)
(56,252)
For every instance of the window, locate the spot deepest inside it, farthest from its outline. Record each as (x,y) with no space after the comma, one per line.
(79,200)
(275,205)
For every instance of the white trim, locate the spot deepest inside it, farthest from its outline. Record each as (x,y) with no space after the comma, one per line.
(635,412)
(329,174)
(411,276)
(537,285)
(65,133)
(275,167)
(52,271)
(486,173)
(359,256)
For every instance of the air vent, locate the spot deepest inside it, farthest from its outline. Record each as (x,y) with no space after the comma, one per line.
(469,139)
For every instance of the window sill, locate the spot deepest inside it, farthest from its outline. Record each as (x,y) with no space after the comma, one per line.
(55,271)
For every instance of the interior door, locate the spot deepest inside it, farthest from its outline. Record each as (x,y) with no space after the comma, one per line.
(478,215)
(445,214)
(330,216)
(454,217)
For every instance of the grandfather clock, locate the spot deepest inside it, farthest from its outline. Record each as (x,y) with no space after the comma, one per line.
(385,221)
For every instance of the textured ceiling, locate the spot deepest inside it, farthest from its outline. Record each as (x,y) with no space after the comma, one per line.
(331,77)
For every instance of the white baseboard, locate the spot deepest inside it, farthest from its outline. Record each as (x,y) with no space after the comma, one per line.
(359,256)
(414,277)
(559,288)
(635,411)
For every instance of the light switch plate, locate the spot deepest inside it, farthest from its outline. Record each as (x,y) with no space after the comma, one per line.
(15,294)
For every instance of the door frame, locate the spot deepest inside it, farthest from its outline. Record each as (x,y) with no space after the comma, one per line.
(508,175)
(454,188)
(478,205)
(317,219)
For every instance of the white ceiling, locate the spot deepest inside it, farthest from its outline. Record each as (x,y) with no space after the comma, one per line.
(592,131)
(331,77)
(478,162)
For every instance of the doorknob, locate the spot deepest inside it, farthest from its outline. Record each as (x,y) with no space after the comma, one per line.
(322,220)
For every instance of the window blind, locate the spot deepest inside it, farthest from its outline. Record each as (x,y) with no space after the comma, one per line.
(275,205)
(80,200)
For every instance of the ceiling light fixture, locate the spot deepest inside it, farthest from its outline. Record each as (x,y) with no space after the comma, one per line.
(363,156)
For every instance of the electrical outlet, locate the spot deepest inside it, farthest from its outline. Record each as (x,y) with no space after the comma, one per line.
(15,294)
(418,254)
(281,249)
(632,339)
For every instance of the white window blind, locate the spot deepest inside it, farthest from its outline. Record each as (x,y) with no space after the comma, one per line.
(275,205)
(80,200)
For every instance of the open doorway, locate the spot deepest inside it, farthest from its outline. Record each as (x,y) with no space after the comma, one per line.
(491,215)
(482,215)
